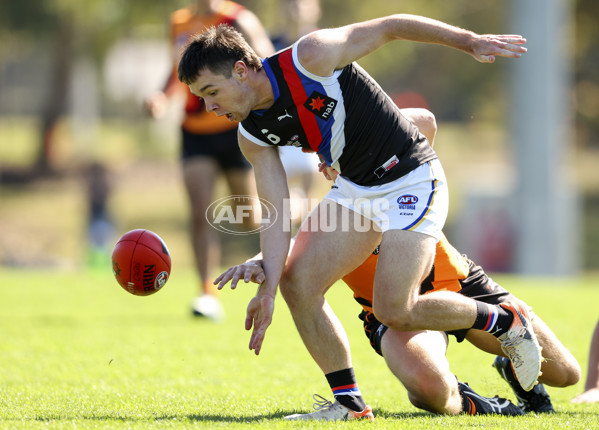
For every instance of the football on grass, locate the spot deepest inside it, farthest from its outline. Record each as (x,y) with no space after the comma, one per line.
(141,262)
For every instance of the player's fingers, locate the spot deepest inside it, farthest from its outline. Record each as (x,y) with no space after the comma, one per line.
(221,282)
(235,279)
(256,340)
(512,38)
(224,278)
(217,280)
(508,38)
(248,321)
(510,49)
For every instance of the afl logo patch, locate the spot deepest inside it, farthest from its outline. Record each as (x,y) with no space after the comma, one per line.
(407,202)
(321,105)
(407,199)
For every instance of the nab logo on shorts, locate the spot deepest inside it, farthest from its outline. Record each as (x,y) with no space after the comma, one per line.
(320,105)
(407,201)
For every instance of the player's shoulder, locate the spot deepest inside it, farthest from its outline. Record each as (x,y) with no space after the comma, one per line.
(314,54)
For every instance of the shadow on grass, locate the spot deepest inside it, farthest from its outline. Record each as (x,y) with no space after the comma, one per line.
(282,414)
(379,413)
(224,418)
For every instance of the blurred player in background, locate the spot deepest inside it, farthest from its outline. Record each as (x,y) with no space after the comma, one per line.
(591,386)
(100,228)
(209,143)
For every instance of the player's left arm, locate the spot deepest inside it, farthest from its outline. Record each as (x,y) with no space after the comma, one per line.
(323,51)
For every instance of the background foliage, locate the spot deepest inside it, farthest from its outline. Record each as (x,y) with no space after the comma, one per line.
(45,43)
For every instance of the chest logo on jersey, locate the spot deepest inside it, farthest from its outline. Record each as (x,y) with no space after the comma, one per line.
(294,141)
(321,105)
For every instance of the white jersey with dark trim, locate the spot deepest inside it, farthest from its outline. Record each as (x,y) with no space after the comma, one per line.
(346,117)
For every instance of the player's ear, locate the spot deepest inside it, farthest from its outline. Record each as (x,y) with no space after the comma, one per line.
(240,70)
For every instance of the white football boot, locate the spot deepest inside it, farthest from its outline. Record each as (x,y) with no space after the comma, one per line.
(520,345)
(328,411)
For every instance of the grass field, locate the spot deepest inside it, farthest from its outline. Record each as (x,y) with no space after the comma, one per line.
(79,352)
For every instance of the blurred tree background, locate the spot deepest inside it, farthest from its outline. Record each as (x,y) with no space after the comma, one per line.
(73,76)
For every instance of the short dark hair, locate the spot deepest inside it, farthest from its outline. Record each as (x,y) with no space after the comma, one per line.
(217,49)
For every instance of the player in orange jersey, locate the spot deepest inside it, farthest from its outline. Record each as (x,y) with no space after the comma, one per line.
(209,143)
(417,358)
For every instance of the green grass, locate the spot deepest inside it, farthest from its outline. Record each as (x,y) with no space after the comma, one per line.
(79,352)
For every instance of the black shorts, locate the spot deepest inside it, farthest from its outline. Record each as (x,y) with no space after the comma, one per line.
(477,286)
(221,147)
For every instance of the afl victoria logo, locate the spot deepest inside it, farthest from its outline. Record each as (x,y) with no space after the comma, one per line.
(407,199)
(241,215)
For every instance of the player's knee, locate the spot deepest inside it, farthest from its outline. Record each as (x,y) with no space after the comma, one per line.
(567,374)
(573,375)
(429,125)
(571,372)
(431,394)
(397,319)
(286,284)
(292,288)
(425,121)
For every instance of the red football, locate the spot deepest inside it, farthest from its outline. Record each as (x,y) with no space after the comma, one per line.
(141,262)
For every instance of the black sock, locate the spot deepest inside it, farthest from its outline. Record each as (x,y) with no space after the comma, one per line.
(492,318)
(345,389)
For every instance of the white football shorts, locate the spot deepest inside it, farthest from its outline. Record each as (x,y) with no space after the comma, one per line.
(418,201)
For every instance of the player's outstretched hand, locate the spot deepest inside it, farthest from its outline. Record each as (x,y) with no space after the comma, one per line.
(250,271)
(589,396)
(259,315)
(487,46)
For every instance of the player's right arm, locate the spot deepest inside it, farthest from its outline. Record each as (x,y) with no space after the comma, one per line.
(271,183)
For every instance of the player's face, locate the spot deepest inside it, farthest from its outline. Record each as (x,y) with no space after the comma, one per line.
(222,95)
